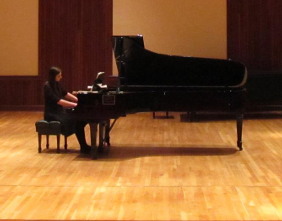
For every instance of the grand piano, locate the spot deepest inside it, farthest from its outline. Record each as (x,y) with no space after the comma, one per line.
(149,81)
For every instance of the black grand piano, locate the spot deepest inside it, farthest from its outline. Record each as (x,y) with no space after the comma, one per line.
(148,81)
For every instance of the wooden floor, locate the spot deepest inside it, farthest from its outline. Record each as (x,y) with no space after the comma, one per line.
(156,169)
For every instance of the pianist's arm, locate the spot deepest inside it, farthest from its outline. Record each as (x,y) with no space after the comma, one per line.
(71,97)
(71,101)
(66,104)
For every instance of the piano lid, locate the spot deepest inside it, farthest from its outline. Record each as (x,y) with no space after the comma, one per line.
(139,66)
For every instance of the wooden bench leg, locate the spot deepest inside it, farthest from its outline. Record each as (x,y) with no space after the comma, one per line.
(239,130)
(58,143)
(39,143)
(47,141)
(66,142)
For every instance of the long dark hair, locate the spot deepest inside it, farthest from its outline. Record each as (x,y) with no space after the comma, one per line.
(53,72)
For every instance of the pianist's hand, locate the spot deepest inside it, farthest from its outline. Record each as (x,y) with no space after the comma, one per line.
(75,93)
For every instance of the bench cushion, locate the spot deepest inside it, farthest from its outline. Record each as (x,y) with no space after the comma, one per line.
(48,128)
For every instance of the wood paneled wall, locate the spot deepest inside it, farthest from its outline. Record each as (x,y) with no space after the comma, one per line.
(255,33)
(74,35)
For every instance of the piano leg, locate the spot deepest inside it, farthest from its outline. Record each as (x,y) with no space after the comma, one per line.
(93,133)
(107,132)
(239,130)
(101,137)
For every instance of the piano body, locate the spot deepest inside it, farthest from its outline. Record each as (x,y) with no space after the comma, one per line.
(149,81)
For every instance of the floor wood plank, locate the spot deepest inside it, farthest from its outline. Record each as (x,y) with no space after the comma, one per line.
(155,169)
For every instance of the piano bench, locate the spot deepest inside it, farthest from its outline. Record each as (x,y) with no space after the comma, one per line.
(49,128)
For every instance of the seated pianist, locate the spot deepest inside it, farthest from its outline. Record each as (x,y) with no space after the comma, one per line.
(98,83)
